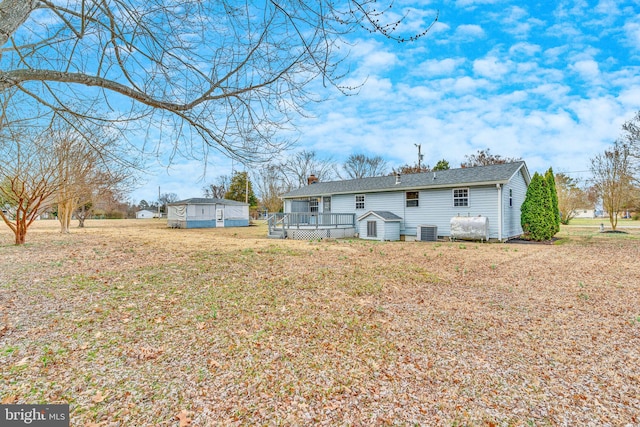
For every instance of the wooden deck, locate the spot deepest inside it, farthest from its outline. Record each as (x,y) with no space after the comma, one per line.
(311,225)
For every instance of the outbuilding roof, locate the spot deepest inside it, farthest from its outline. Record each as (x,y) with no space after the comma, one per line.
(479,175)
(386,216)
(203,201)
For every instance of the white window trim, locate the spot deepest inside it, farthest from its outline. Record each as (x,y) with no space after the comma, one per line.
(453,197)
(417,199)
(314,204)
(364,201)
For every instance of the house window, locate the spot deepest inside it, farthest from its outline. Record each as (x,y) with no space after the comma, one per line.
(510,198)
(461,197)
(412,199)
(313,205)
(372,230)
(359,201)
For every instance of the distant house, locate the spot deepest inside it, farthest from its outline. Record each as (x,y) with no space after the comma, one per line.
(409,202)
(207,213)
(584,213)
(144,214)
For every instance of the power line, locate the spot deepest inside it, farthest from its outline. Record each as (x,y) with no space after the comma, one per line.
(569,172)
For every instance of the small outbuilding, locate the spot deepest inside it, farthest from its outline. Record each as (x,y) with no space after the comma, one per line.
(207,213)
(145,214)
(379,225)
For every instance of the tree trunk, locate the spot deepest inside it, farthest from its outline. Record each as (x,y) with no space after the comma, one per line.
(613,219)
(15,13)
(82,215)
(21,232)
(65,212)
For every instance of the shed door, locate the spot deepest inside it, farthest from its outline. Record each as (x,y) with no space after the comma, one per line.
(219,217)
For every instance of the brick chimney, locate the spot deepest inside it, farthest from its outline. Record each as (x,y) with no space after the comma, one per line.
(312,179)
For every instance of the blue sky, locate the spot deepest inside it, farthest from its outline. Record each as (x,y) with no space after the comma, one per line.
(549,82)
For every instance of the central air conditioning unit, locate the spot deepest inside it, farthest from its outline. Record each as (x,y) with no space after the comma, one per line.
(427,233)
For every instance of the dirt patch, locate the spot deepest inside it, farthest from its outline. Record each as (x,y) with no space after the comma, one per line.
(132,323)
(521,241)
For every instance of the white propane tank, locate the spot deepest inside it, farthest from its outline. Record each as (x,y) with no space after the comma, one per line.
(470,228)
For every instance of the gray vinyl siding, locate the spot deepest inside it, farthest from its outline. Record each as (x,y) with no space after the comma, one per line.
(436,208)
(387,201)
(511,215)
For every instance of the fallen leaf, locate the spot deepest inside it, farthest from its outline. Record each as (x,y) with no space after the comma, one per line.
(23,361)
(8,400)
(99,397)
(183,417)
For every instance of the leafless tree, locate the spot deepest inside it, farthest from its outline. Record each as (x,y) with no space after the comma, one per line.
(297,169)
(571,197)
(409,169)
(485,158)
(224,75)
(88,164)
(361,166)
(271,186)
(612,176)
(166,198)
(218,189)
(28,182)
(631,136)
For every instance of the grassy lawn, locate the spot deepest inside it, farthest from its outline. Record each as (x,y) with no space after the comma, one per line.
(135,324)
(595,222)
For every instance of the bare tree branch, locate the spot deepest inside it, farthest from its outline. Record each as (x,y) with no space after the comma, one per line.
(222,75)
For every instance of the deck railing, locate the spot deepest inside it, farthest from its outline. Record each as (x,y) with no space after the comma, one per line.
(287,221)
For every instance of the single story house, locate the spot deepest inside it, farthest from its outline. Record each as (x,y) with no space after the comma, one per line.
(145,213)
(207,213)
(494,193)
(584,213)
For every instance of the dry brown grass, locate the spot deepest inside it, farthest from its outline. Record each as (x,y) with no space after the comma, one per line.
(135,324)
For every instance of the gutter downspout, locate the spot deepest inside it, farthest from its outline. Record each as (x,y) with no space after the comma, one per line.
(499,187)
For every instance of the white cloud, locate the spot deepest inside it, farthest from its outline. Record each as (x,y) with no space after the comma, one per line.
(632,33)
(445,67)
(474,3)
(588,69)
(439,27)
(466,85)
(491,67)
(516,21)
(372,56)
(525,49)
(469,32)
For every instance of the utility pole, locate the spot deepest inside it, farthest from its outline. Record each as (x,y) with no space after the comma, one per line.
(246,187)
(419,155)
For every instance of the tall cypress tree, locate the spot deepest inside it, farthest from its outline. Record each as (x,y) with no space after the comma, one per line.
(536,212)
(553,193)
